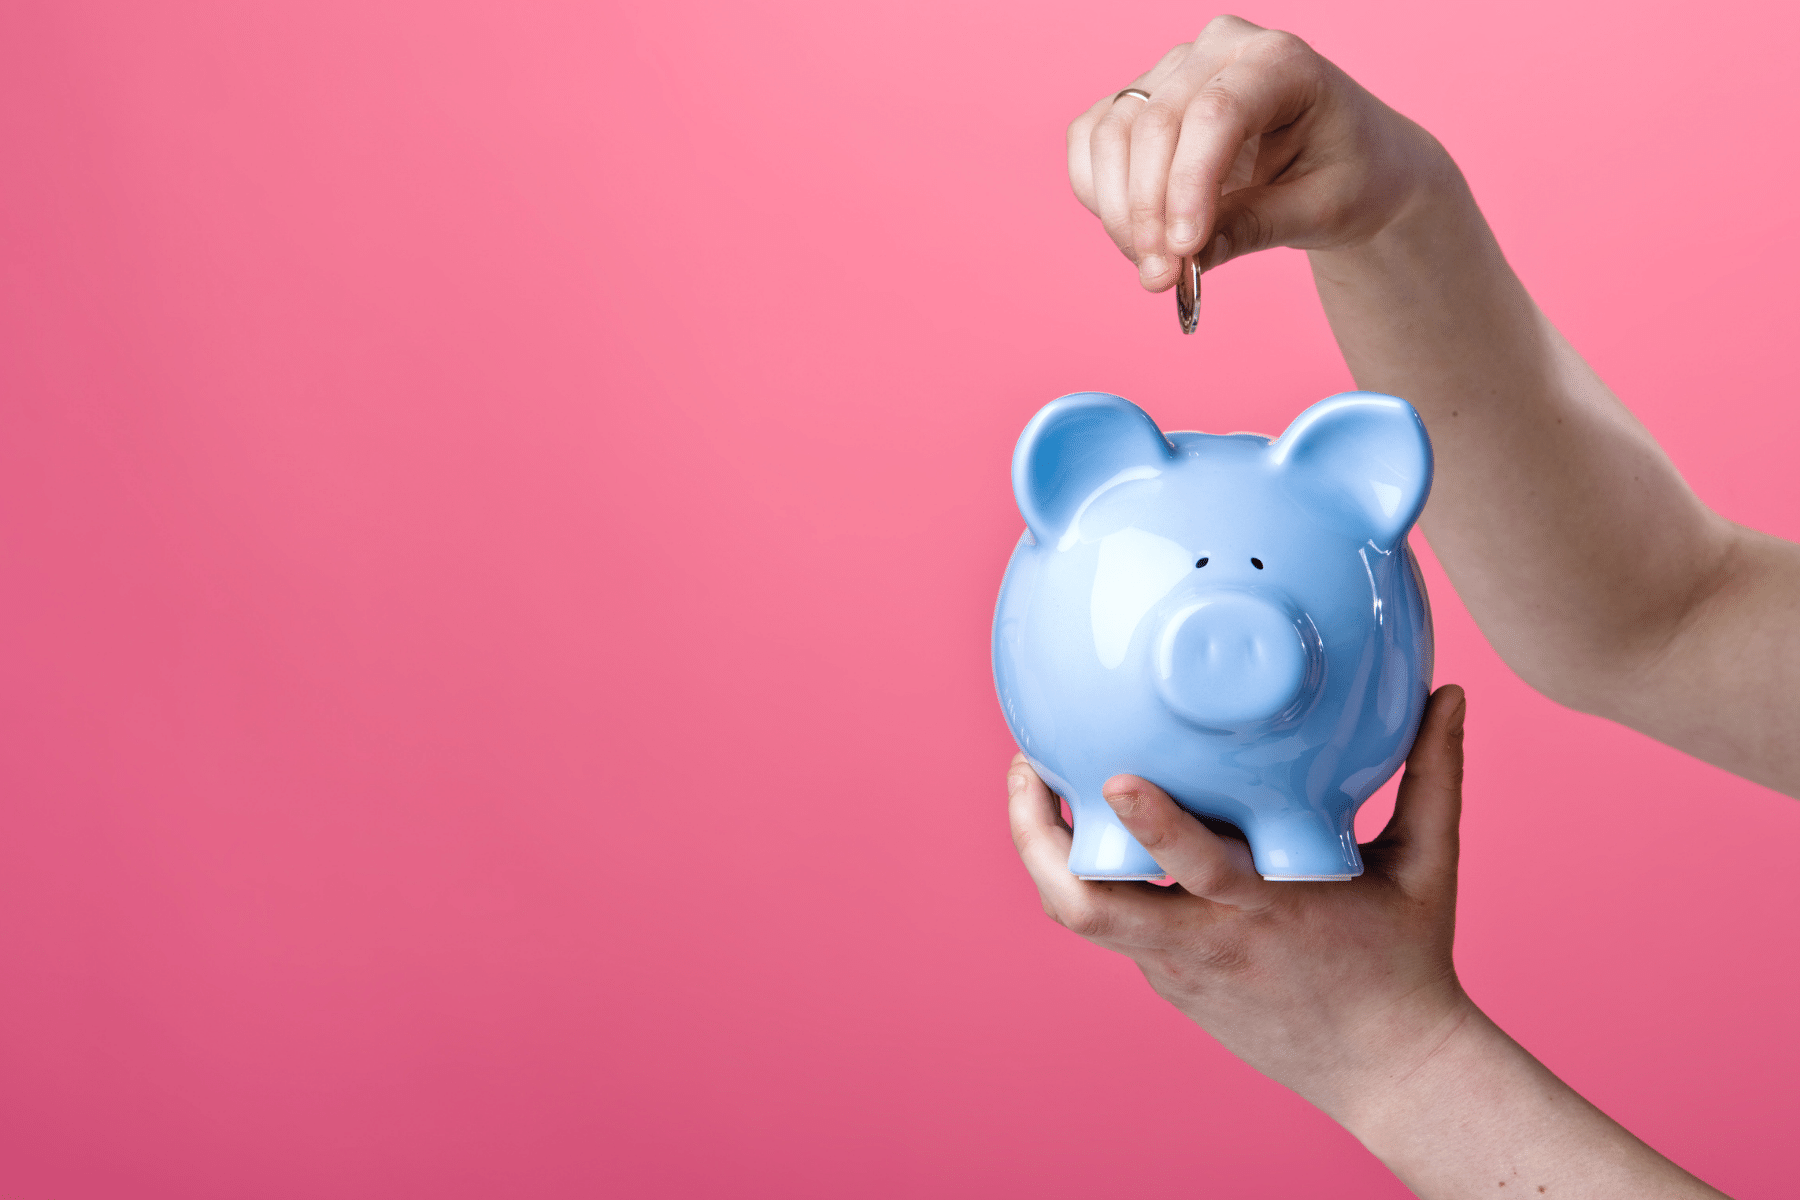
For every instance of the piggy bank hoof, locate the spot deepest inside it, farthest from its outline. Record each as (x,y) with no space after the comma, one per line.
(1123,878)
(1307,847)
(1103,849)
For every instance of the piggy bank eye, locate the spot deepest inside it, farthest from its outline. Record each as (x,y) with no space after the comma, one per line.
(1257,563)
(1201,563)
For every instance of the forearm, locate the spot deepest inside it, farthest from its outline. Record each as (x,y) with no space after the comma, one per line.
(1590,566)
(1480,1115)
(1566,530)
(1585,558)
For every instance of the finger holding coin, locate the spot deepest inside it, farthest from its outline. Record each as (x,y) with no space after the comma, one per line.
(1100,149)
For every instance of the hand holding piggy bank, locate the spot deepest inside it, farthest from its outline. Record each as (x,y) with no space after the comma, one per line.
(1239,621)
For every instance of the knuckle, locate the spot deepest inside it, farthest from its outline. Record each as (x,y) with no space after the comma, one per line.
(1332,210)
(1278,50)
(1248,231)
(1146,224)
(1185,189)
(1159,836)
(1216,105)
(1112,128)
(1159,121)
(1208,879)
(1087,920)
(1024,838)
(1280,44)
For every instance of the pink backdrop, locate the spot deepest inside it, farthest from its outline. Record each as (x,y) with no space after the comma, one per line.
(500,505)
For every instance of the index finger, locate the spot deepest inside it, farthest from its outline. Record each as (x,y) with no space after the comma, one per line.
(1119,915)
(1198,859)
(1038,832)
(1271,83)
(1107,155)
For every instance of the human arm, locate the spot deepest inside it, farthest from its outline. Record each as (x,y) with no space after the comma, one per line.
(1587,561)
(1346,992)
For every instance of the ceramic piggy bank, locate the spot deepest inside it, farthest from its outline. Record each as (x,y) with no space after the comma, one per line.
(1239,621)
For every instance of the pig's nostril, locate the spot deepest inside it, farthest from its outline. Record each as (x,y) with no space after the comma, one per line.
(1201,563)
(1257,563)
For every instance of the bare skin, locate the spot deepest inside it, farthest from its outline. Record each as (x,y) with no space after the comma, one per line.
(1587,561)
(1589,564)
(1346,992)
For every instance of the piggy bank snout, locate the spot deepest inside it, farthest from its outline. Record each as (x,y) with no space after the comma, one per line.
(1232,661)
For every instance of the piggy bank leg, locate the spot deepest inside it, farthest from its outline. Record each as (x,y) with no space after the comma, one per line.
(1306,846)
(1103,849)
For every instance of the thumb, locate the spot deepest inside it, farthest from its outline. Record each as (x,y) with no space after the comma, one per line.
(1258,217)
(1422,835)
(1198,859)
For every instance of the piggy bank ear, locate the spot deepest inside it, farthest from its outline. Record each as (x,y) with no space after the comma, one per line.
(1076,446)
(1361,461)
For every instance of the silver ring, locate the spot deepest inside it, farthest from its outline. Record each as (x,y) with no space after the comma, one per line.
(1140,93)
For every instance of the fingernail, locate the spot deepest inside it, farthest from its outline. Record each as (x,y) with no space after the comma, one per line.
(1180,232)
(1152,266)
(1221,250)
(1125,805)
(1014,781)
(1456,718)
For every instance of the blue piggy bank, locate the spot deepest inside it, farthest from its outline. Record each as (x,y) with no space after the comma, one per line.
(1239,621)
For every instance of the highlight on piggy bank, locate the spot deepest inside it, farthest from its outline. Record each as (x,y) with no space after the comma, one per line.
(1238,620)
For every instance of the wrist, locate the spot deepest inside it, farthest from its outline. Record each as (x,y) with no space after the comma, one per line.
(1413,1073)
(1427,306)
(1474,1109)
(1392,1056)
(1468,1099)
(1433,215)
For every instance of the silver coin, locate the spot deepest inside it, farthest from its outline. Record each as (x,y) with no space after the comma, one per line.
(1187,294)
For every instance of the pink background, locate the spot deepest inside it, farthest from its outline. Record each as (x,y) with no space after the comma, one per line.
(500,506)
